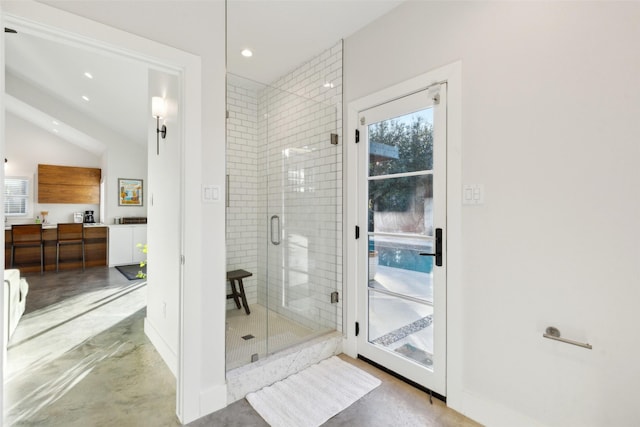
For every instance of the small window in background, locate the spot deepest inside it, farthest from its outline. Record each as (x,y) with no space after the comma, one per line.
(16,196)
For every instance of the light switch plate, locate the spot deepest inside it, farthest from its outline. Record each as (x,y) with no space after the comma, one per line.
(210,193)
(473,194)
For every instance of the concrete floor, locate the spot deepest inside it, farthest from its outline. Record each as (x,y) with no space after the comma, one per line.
(95,367)
(79,356)
(393,404)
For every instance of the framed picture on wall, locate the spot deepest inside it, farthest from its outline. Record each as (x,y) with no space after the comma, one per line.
(129,192)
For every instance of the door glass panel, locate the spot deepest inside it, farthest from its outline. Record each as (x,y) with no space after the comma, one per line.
(401,144)
(400,226)
(402,162)
(401,326)
(397,266)
(401,205)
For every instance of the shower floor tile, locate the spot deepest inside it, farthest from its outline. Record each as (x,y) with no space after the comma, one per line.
(283,333)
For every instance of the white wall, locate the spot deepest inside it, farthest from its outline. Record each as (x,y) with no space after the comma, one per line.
(550,101)
(26,147)
(163,201)
(124,161)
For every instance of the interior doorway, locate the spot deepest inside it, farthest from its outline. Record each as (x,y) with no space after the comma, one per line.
(173,353)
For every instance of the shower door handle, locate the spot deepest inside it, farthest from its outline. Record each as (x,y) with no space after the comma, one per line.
(275,219)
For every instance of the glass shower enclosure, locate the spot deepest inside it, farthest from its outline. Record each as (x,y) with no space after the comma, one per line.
(283,218)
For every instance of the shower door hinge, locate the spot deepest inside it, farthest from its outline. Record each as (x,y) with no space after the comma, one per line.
(357,136)
(334,139)
(182,259)
(357,232)
(226,116)
(335,298)
(357,328)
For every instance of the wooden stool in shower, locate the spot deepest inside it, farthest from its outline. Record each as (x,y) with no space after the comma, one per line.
(237,294)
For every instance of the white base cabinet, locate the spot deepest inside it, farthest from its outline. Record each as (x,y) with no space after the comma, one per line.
(123,241)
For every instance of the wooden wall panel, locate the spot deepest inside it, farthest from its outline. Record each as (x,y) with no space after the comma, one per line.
(57,193)
(68,184)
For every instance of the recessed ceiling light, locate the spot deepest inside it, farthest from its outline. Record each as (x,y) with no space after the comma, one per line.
(85,97)
(247,53)
(55,123)
(88,75)
(55,130)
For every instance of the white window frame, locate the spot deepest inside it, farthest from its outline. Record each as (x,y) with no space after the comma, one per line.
(28,197)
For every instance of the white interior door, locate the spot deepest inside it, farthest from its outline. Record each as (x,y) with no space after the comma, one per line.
(402,201)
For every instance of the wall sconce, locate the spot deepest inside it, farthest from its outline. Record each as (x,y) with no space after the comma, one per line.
(159,111)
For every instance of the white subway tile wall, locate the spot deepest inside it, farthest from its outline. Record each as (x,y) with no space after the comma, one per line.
(281,162)
(242,173)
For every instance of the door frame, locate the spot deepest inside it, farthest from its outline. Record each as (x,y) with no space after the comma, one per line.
(452,74)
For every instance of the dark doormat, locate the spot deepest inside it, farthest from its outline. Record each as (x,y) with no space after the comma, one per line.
(131,271)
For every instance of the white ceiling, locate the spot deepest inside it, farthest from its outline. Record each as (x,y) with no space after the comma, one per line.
(285,34)
(282,34)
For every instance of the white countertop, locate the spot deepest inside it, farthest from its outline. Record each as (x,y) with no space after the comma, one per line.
(47,226)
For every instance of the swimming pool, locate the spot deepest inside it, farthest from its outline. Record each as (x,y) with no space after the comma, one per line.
(406,257)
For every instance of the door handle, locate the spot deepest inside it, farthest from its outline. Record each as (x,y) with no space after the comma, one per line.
(276,240)
(438,253)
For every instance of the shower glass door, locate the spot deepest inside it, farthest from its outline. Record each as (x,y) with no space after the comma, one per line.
(302,181)
(283,219)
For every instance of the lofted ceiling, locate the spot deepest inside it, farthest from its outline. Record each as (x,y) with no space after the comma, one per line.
(282,35)
(116,89)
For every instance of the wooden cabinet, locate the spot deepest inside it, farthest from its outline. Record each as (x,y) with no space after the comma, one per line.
(68,184)
(96,240)
(123,240)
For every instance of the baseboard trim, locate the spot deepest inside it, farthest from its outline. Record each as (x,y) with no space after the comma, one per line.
(213,399)
(489,412)
(168,355)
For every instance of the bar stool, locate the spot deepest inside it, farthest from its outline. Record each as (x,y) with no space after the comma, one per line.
(69,234)
(27,236)
(237,294)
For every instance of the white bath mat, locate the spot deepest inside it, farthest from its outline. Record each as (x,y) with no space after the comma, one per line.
(313,395)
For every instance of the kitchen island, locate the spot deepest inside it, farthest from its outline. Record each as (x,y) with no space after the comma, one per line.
(96,245)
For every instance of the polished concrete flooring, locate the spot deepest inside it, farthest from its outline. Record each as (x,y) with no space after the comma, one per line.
(79,357)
